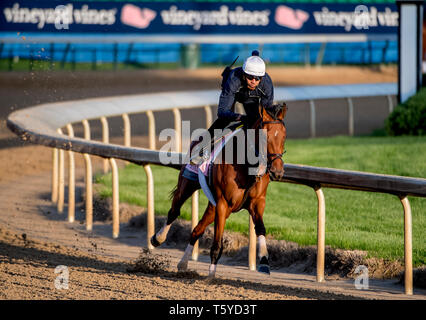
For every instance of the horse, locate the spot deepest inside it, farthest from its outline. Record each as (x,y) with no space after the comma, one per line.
(235,189)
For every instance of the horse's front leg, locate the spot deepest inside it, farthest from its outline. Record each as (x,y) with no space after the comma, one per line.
(256,210)
(222,213)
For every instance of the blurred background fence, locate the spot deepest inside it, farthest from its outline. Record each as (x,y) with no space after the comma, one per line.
(19,56)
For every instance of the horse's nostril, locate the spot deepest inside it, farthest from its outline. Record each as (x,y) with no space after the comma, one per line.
(277,174)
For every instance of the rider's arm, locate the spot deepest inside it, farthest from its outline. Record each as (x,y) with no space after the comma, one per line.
(227,99)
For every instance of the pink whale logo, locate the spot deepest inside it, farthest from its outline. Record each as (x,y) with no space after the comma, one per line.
(290,18)
(137,17)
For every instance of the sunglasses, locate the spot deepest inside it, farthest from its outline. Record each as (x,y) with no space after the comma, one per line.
(250,77)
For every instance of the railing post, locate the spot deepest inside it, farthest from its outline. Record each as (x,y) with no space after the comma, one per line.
(89,187)
(105,139)
(151,129)
(350,117)
(320,56)
(127,130)
(390,104)
(313,118)
(209,118)
(61,179)
(252,245)
(307,55)
(178,129)
(71,179)
(55,154)
(115,199)
(150,217)
(194,212)
(89,192)
(320,234)
(408,246)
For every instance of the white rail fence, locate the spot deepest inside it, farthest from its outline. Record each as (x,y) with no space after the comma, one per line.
(44,124)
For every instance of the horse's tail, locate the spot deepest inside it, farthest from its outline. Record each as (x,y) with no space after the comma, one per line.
(173,192)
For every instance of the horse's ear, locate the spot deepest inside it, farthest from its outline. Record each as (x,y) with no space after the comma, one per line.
(277,111)
(284,109)
(280,111)
(261,110)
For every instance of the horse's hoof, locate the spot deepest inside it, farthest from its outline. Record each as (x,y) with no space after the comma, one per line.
(264,268)
(154,241)
(182,266)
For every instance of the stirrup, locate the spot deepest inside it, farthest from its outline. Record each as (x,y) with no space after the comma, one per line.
(201,155)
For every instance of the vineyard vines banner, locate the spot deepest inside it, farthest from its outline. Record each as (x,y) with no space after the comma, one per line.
(196,18)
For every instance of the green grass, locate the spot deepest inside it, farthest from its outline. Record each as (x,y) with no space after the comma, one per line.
(354,219)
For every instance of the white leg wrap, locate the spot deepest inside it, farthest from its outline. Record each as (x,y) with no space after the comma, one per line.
(162,233)
(263,252)
(212,270)
(183,263)
(188,251)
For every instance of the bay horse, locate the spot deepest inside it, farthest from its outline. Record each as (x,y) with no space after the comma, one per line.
(234,190)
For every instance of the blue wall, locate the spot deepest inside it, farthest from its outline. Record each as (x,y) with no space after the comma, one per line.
(335,53)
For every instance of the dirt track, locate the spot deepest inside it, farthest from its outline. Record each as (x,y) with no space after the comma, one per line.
(34,239)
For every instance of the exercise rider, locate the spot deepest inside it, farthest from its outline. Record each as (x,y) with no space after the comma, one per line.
(249,85)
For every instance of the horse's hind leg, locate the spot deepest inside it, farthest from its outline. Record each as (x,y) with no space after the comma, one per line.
(184,189)
(222,213)
(206,220)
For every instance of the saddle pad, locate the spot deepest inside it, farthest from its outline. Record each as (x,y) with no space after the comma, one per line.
(204,166)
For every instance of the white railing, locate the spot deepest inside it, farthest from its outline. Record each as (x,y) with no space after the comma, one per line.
(43,125)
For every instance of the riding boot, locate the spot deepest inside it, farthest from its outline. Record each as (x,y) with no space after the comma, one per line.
(199,150)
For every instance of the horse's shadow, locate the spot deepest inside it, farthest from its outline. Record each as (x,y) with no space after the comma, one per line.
(133,231)
(133,234)
(39,256)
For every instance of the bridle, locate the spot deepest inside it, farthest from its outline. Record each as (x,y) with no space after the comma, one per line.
(271,157)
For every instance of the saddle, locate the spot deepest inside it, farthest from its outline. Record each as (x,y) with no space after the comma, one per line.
(200,166)
(200,151)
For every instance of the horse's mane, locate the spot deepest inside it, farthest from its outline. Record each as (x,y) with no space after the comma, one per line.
(275,109)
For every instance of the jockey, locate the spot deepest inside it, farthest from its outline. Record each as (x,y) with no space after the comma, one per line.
(249,85)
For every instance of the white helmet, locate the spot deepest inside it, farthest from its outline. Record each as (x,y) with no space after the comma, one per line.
(255,66)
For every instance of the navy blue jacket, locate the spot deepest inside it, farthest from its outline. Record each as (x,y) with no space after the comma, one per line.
(235,89)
